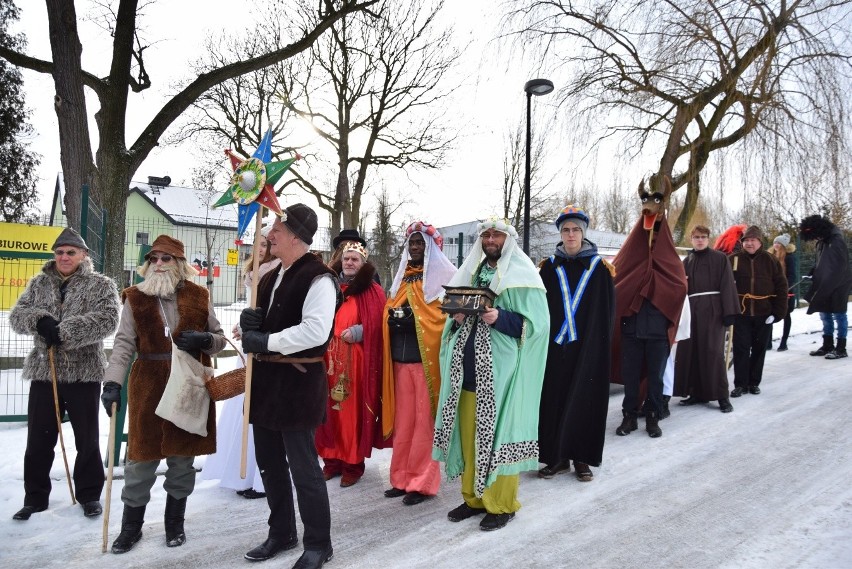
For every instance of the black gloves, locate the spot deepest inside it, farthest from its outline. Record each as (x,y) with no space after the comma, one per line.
(190,341)
(48,328)
(110,395)
(401,318)
(255,342)
(729,320)
(251,319)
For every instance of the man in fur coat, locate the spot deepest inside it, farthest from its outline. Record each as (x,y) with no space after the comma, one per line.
(832,280)
(68,309)
(165,309)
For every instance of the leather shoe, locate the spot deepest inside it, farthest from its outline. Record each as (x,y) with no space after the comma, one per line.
(689,401)
(25,512)
(753,389)
(725,405)
(92,509)
(550,471)
(413,498)
(394,493)
(314,558)
(738,391)
(251,494)
(495,521)
(464,512)
(346,481)
(270,548)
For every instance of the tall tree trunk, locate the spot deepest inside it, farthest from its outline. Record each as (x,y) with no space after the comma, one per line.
(70,105)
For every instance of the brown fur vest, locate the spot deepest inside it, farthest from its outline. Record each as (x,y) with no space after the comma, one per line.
(149,436)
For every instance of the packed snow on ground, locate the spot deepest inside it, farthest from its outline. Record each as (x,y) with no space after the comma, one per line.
(765,486)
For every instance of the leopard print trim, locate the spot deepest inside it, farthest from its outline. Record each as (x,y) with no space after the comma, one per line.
(451,405)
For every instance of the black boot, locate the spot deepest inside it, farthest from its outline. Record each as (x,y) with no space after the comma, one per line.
(839,351)
(666,411)
(131,529)
(628,424)
(652,424)
(827,346)
(174,521)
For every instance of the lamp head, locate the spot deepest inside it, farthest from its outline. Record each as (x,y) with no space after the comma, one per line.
(538,87)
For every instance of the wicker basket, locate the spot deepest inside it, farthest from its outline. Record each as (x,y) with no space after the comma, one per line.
(229,384)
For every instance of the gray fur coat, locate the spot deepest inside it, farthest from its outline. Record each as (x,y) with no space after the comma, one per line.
(87,316)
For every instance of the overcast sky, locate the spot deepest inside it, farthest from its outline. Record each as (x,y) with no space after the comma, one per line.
(489,101)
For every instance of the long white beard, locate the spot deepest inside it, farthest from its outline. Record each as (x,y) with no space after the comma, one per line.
(162,285)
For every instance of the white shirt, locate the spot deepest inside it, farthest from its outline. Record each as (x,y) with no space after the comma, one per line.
(317,318)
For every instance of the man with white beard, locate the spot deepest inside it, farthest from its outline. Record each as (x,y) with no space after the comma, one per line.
(167,307)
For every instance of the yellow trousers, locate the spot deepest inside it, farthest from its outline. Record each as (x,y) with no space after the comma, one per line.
(502,496)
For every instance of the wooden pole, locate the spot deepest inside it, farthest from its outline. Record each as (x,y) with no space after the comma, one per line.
(111,464)
(728,348)
(255,269)
(59,423)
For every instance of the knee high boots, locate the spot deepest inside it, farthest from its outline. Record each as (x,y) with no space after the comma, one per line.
(131,529)
(175,510)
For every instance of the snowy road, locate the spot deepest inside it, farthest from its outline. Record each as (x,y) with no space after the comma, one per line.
(765,486)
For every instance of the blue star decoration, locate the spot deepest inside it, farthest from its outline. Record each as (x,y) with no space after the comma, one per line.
(252,182)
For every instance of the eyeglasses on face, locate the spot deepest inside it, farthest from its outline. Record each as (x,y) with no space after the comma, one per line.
(571,230)
(63,252)
(701,237)
(154,259)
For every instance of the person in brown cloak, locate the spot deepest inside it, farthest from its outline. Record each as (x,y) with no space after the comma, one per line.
(700,370)
(650,286)
(165,308)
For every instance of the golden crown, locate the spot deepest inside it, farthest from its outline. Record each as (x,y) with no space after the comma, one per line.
(357,247)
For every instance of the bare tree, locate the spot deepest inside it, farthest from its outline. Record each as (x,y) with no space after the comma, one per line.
(514,172)
(110,169)
(207,184)
(385,251)
(373,91)
(696,76)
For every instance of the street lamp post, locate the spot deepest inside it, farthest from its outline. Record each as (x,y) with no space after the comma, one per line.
(532,87)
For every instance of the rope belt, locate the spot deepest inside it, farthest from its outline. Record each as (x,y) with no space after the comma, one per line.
(156,357)
(748,296)
(704,293)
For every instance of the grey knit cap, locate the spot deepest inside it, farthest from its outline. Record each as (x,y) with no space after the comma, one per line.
(70,238)
(782,239)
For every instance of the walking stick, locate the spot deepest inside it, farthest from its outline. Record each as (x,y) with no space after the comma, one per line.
(728,348)
(59,423)
(111,464)
(249,360)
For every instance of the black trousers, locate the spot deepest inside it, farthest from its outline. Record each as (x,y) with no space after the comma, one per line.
(82,402)
(653,353)
(751,335)
(279,455)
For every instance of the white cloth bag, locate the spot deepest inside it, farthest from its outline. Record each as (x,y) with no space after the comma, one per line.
(185,401)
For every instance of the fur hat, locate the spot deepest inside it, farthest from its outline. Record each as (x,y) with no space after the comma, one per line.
(348,235)
(753,231)
(575,214)
(782,240)
(815,227)
(301,220)
(70,238)
(167,245)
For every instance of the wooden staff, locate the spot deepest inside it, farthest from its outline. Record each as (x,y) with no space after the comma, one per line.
(59,423)
(111,464)
(255,269)
(728,348)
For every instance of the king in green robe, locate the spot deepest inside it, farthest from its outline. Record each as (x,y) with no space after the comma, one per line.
(501,365)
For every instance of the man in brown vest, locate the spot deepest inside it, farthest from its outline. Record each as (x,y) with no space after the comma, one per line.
(288,335)
(166,307)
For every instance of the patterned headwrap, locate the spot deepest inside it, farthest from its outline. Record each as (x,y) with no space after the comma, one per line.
(437,269)
(426,230)
(357,247)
